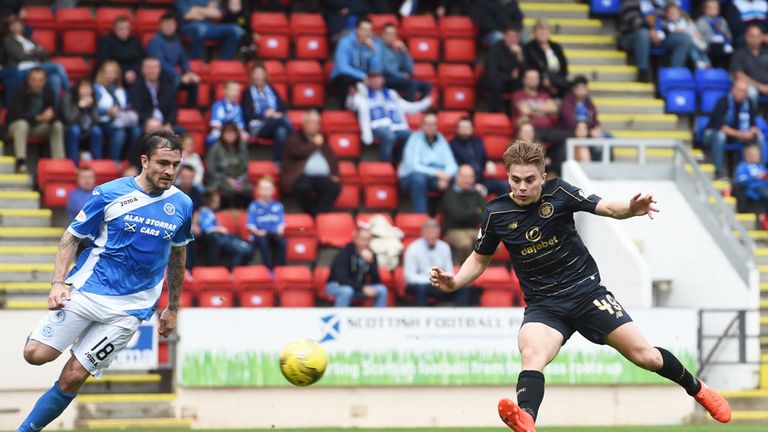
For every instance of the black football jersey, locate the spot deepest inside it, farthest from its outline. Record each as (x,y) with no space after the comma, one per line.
(547,253)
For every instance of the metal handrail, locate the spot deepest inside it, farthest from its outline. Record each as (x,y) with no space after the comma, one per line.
(740,318)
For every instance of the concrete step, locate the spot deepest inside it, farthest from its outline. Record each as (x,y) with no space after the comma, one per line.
(621,89)
(15,182)
(27,254)
(604,73)
(131,398)
(585,41)
(25,217)
(620,105)
(19,199)
(761,257)
(595,57)
(25,287)
(169,423)
(762,269)
(13,304)
(611,121)
(30,235)
(7,164)
(28,272)
(550,10)
(123,383)
(569,25)
(683,135)
(747,220)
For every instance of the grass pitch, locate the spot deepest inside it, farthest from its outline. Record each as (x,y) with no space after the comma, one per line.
(709,427)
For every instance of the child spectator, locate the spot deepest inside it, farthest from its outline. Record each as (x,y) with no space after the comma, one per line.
(678,21)
(218,239)
(266,222)
(715,31)
(752,178)
(227,110)
(81,117)
(190,158)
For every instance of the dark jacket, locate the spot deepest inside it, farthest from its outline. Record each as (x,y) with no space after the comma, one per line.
(349,268)
(170,52)
(500,62)
(14,52)
(470,152)
(249,111)
(631,17)
(72,114)
(220,167)
(491,15)
(461,209)
(568,118)
(141,100)
(535,58)
(726,113)
(23,106)
(128,53)
(298,148)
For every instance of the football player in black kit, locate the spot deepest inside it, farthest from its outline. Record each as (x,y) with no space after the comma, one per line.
(561,282)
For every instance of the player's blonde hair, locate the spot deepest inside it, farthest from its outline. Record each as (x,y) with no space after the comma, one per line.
(522,152)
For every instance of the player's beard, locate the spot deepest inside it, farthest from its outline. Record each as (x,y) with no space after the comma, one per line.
(163,183)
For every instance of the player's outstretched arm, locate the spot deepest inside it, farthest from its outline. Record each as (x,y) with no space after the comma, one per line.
(638,205)
(175,277)
(64,257)
(470,270)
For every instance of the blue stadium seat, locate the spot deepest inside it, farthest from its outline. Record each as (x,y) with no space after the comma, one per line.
(605,7)
(701,124)
(678,89)
(713,79)
(709,99)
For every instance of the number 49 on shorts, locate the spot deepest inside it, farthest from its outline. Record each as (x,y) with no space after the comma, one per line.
(610,305)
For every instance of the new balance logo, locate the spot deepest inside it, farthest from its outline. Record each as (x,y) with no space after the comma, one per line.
(34,427)
(521,390)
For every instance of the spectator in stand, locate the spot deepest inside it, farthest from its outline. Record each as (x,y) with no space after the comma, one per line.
(503,68)
(355,273)
(356,54)
(581,131)
(227,110)
(525,131)
(420,257)
(750,63)
(734,120)
(493,17)
(153,95)
(81,117)
(577,107)
(677,21)
(166,46)
(741,14)
(12,7)
(533,104)
(227,162)
(238,12)
(640,27)
(266,222)
(381,115)
(33,113)
(264,112)
(192,159)
(121,47)
(217,239)
(715,31)
(9,76)
(310,171)
(199,26)
(185,181)
(86,181)
(24,54)
(398,66)
(117,119)
(751,183)
(468,149)
(341,15)
(428,164)
(461,207)
(548,58)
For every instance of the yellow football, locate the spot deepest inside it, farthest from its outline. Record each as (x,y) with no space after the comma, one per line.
(303,362)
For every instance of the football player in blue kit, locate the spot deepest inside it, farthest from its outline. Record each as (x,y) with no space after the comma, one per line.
(138,226)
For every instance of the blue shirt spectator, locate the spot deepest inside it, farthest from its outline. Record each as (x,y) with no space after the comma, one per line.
(226,110)
(199,26)
(266,216)
(398,65)
(356,54)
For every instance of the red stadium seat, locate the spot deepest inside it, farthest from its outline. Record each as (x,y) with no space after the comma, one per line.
(270,22)
(305,71)
(424,48)
(46,38)
(497,298)
(191,119)
(104,169)
(501,172)
(75,18)
(410,223)
(201,68)
(308,95)
(275,71)
(424,72)
(55,170)
(274,46)
(257,298)
(339,121)
(301,248)
(295,285)
(76,67)
(455,74)
(295,117)
(55,194)
(377,173)
(228,219)
(380,20)
(399,282)
(420,25)
(348,172)
(79,42)
(459,50)
(345,145)
(313,47)
(307,24)
(320,278)
(495,145)
(259,169)
(493,124)
(212,278)
(215,299)
(225,70)
(365,218)
(501,254)
(458,98)
(495,278)
(39,17)
(381,197)
(147,20)
(457,26)
(255,285)
(299,224)
(185,299)
(414,120)
(447,121)
(105,17)
(334,229)
(349,197)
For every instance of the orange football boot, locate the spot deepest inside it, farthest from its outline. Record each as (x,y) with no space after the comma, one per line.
(716,404)
(516,418)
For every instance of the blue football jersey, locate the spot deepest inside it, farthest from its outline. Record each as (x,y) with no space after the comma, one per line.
(132,233)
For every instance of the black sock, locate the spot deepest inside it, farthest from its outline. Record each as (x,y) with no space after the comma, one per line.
(530,391)
(673,370)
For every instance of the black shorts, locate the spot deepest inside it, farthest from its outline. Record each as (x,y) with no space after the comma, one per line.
(594,314)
